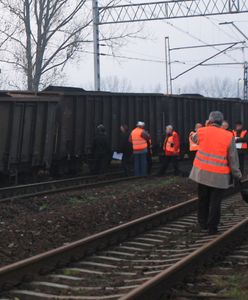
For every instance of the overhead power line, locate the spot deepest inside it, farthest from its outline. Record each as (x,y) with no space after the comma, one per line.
(137,12)
(128,13)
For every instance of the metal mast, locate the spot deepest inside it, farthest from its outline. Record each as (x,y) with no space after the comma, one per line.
(97,79)
(114,14)
(169,9)
(246,81)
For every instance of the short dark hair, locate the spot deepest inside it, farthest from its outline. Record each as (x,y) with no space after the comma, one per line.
(239,123)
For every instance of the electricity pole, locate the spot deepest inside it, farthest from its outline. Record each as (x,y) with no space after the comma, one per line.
(168,66)
(246,81)
(245,63)
(97,79)
(150,11)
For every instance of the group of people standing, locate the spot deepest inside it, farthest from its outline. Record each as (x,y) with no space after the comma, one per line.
(142,150)
(138,144)
(217,154)
(240,136)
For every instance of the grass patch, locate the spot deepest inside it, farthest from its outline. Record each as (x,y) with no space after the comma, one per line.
(74,200)
(71,272)
(236,294)
(237,287)
(43,207)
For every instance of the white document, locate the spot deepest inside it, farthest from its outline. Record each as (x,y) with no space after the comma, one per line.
(117,156)
(239,145)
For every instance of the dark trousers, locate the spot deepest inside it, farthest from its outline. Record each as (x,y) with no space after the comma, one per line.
(166,161)
(192,156)
(242,162)
(209,207)
(101,164)
(149,164)
(140,164)
(126,159)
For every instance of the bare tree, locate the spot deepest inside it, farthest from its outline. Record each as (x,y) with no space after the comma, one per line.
(124,85)
(115,84)
(40,36)
(213,87)
(152,88)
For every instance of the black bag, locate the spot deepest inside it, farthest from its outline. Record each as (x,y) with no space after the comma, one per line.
(244,192)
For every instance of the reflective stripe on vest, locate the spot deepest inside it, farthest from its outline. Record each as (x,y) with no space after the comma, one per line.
(242,135)
(212,154)
(138,142)
(169,144)
(192,146)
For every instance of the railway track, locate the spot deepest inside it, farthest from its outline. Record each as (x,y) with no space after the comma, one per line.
(142,259)
(17,192)
(62,185)
(226,279)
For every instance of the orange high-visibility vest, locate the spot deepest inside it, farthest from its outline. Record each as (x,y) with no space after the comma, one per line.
(192,146)
(169,144)
(242,135)
(213,150)
(138,142)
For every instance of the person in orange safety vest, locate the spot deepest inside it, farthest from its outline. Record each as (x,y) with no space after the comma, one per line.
(171,150)
(139,139)
(241,140)
(193,147)
(215,161)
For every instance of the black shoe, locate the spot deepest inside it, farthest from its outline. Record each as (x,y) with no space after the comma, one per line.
(203,226)
(213,231)
(200,228)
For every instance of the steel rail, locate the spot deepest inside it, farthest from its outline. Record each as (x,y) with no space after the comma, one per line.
(158,286)
(64,188)
(43,263)
(68,188)
(58,181)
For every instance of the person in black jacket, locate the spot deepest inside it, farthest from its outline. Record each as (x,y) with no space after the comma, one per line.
(101,150)
(126,149)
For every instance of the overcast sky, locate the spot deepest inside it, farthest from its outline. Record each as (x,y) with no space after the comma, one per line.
(182,32)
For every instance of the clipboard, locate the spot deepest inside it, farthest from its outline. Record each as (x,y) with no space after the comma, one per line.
(117,156)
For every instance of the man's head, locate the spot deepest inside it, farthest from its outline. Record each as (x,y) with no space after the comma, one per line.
(216,117)
(239,125)
(141,124)
(169,129)
(197,126)
(225,125)
(100,128)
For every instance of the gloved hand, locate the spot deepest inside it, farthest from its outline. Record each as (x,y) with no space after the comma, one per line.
(240,176)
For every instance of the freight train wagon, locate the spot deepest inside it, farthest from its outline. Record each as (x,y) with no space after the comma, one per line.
(79,112)
(56,127)
(27,126)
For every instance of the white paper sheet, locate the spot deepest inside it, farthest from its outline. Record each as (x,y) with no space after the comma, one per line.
(117,156)
(239,145)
